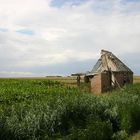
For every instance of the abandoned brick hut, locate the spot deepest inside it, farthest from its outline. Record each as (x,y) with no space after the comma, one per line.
(108,73)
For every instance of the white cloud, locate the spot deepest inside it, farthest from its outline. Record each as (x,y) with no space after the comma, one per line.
(16,74)
(67,33)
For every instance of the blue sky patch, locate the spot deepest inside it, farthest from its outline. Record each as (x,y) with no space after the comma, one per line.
(60,3)
(26,32)
(3,30)
(130,1)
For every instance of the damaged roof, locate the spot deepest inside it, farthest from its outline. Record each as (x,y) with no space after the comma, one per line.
(108,61)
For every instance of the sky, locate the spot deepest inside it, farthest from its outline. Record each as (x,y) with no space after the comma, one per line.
(61,37)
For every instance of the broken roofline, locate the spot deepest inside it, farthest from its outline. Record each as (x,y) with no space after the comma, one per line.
(108,61)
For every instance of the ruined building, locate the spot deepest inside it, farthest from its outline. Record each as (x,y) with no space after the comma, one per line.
(108,73)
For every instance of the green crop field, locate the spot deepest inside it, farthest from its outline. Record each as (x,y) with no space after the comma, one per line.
(44,109)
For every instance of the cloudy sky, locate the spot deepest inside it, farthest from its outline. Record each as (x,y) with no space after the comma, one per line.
(60,37)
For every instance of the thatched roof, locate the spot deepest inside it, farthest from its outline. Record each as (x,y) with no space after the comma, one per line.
(108,61)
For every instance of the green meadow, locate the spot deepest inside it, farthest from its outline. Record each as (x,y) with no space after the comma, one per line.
(43,109)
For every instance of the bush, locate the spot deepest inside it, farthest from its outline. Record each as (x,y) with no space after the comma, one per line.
(130,118)
(120,135)
(95,130)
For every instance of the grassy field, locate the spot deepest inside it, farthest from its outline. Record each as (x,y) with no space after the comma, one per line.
(135,136)
(72,80)
(69,80)
(42,109)
(136,79)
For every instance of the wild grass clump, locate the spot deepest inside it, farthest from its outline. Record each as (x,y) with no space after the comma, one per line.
(42,109)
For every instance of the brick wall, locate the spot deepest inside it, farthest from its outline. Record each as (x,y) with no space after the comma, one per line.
(96,84)
(102,82)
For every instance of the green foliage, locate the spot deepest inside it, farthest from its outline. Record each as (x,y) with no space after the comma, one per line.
(43,109)
(130,118)
(95,129)
(120,135)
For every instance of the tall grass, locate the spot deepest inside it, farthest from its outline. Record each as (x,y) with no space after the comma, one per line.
(43,109)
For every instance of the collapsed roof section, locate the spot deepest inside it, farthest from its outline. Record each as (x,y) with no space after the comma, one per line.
(108,62)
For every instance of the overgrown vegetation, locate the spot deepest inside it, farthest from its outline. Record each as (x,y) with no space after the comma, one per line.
(43,109)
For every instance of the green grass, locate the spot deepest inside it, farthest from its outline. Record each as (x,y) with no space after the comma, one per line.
(43,109)
(135,136)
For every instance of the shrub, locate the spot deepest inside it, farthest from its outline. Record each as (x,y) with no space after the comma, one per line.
(94,130)
(130,118)
(120,135)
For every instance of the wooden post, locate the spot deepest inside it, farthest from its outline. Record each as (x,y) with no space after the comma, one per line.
(78,80)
